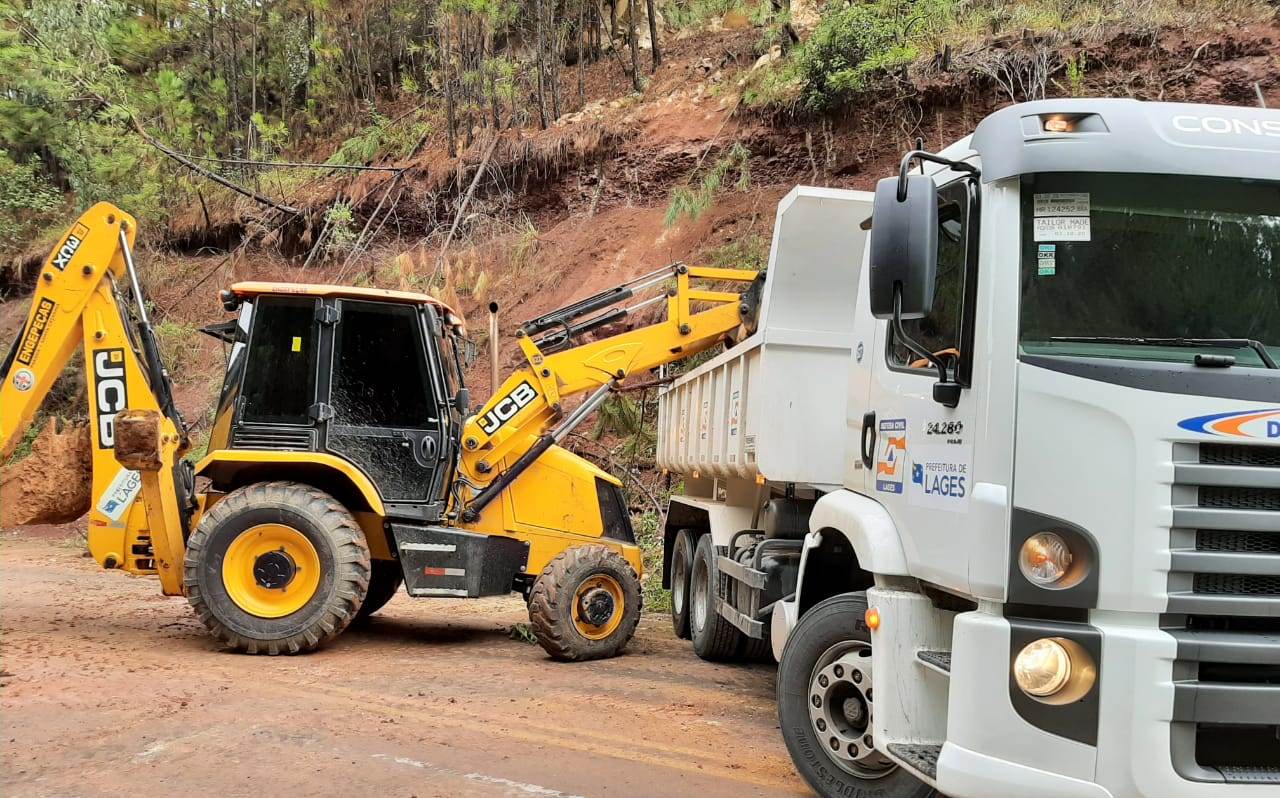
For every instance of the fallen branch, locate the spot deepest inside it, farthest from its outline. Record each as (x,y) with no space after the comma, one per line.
(462,206)
(215,177)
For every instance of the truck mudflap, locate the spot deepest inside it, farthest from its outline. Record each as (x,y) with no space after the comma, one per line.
(452,563)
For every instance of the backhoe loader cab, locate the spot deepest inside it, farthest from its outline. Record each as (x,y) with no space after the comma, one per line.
(370,377)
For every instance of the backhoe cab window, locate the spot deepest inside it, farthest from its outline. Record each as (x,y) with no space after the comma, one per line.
(939,332)
(380,372)
(280,373)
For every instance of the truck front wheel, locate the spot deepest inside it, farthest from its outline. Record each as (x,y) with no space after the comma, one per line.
(825,701)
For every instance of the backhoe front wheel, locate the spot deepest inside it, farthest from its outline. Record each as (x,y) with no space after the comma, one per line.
(585,604)
(277,568)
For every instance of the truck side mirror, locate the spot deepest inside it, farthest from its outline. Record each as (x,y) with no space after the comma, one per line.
(904,247)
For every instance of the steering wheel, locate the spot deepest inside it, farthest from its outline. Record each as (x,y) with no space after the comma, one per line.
(950,358)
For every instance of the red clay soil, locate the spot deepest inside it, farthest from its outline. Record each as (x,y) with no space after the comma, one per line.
(51,485)
(110,689)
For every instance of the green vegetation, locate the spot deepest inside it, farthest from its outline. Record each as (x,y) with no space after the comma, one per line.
(180,347)
(649,537)
(23,449)
(857,48)
(1075,75)
(28,201)
(242,79)
(693,200)
(747,252)
(522,632)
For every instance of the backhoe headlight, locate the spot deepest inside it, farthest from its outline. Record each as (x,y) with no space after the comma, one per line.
(1042,668)
(1045,558)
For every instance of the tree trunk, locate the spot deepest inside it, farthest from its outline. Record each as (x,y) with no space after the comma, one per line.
(451,120)
(653,34)
(635,47)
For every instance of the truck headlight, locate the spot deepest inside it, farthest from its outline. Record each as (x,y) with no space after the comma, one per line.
(1042,668)
(1044,558)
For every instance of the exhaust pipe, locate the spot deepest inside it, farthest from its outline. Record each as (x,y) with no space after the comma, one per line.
(493,348)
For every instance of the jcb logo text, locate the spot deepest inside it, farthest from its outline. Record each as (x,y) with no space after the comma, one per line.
(110,393)
(507,407)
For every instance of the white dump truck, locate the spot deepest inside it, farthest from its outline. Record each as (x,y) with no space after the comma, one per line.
(997,477)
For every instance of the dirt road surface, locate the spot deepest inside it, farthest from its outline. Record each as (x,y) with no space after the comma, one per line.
(109,688)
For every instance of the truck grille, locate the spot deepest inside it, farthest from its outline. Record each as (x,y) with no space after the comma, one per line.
(1236,584)
(1225,542)
(1224,605)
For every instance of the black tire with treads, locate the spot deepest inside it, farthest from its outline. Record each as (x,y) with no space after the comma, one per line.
(327,525)
(829,623)
(714,638)
(385,578)
(681,568)
(551,603)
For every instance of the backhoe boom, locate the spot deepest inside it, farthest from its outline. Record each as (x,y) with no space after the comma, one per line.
(515,425)
(76,304)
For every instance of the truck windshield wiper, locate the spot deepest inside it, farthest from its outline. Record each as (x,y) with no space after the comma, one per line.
(1223,343)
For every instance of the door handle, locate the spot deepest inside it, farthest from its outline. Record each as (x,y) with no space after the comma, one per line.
(428,447)
(868,438)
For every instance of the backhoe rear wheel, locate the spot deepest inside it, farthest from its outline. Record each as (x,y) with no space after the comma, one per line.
(585,604)
(277,568)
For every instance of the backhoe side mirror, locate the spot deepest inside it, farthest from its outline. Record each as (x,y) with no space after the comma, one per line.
(904,247)
(462,401)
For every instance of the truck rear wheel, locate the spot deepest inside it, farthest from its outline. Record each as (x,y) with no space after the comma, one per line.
(681,568)
(585,604)
(385,578)
(825,700)
(276,568)
(714,638)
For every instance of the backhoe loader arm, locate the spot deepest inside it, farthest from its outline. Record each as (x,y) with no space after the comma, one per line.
(516,425)
(75,303)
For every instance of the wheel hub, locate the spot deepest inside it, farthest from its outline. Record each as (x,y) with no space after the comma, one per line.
(840,706)
(271,570)
(274,570)
(596,606)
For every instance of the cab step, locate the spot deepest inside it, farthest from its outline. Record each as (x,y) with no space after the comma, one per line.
(934,660)
(920,757)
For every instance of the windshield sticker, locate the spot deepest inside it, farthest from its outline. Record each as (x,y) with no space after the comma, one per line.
(940,478)
(1062,228)
(1047,260)
(1069,204)
(891,464)
(1256,424)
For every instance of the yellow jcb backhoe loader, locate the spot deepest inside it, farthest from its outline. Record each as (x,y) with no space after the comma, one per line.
(343,460)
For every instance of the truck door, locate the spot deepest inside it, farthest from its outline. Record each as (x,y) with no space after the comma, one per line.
(921,452)
(386,399)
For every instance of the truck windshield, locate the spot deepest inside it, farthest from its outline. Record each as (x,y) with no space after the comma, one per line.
(1150,267)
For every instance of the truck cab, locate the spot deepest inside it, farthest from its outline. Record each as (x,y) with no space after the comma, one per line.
(1052,562)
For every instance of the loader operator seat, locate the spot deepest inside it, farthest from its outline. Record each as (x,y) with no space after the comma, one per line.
(786,519)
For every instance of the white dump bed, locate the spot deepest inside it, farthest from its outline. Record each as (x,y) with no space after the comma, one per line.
(774,405)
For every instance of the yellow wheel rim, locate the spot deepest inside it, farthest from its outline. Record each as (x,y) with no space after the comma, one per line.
(595,596)
(271,570)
